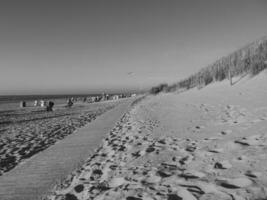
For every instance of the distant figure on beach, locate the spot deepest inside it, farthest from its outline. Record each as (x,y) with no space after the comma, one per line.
(42,103)
(93,99)
(36,103)
(22,104)
(69,103)
(50,106)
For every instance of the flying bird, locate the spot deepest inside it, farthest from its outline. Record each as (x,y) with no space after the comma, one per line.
(129,73)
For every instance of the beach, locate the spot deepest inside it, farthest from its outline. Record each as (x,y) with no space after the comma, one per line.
(34,177)
(199,144)
(133,100)
(26,131)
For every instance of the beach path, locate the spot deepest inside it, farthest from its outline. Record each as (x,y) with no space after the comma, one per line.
(34,177)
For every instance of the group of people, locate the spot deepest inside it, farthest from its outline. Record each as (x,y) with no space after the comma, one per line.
(42,103)
(70,101)
(48,105)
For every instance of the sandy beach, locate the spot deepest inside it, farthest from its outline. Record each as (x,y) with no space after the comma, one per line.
(133,100)
(200,144)
(25,132)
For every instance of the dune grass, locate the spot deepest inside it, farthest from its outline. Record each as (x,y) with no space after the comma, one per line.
(251,59)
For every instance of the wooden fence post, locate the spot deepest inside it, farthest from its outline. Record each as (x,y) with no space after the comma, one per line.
(230,76)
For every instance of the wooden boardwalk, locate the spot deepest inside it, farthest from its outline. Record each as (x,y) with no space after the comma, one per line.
(34,177)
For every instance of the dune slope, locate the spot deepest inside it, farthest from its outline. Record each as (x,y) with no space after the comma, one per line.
(200,144)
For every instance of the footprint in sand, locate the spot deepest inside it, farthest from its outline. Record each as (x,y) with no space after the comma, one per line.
(181,193)
(249,141)
(223,165)
(186,160)
(138,154)
(192,174)
(234,183)
(226,132)
(216,150)
(191,147)
(253,174)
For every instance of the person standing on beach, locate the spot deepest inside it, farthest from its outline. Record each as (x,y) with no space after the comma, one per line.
(50,106)
(69,103)
(23,104)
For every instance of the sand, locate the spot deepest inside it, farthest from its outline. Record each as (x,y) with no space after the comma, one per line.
(25,132)
(34,177)
(200,144)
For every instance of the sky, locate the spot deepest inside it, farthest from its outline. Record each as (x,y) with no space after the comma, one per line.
(79,46)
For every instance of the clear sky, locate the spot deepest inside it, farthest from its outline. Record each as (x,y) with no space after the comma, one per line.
(80,46)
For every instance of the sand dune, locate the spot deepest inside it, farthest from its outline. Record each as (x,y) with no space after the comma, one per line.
(200,144)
